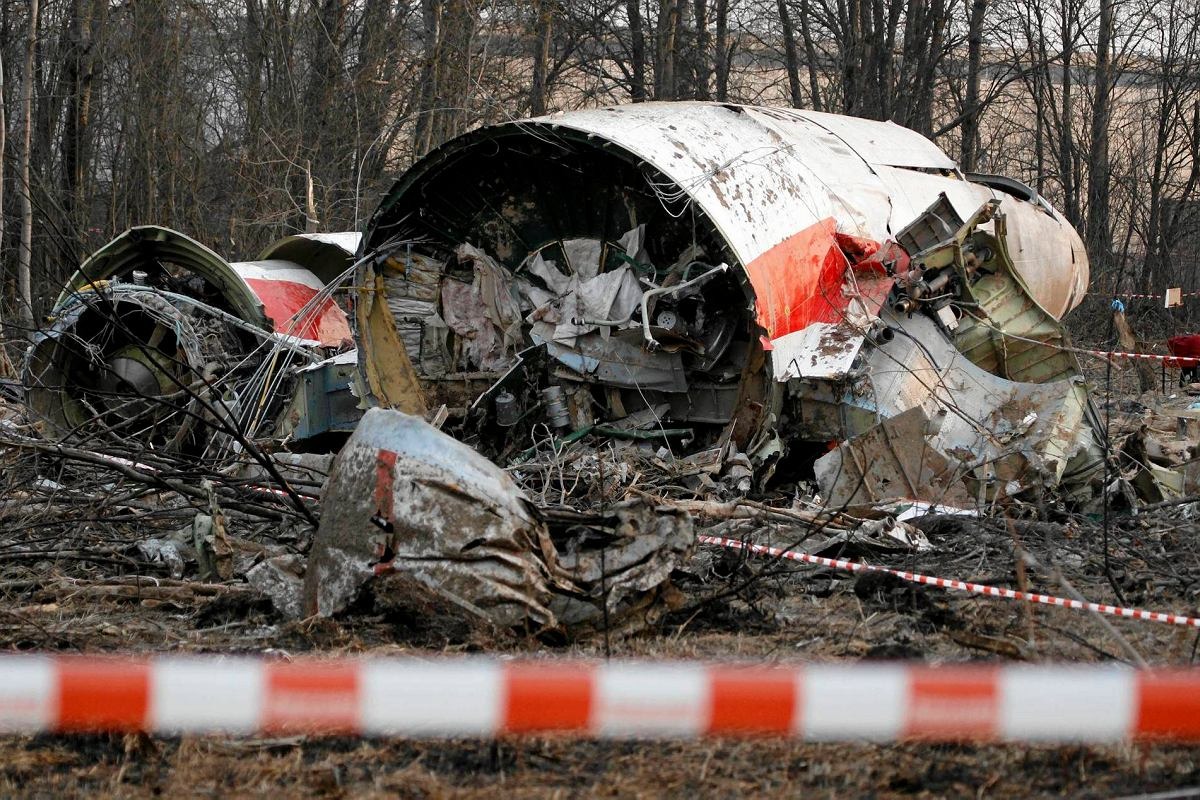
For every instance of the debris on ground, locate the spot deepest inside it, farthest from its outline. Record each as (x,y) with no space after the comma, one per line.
(502,418)
(571,396)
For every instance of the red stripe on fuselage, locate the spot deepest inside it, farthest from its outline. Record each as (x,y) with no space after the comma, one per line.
(282,302)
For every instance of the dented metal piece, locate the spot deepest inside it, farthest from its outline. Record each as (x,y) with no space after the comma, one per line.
(437,524)
(405,498)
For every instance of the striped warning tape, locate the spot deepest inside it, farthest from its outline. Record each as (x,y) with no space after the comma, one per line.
(1174,360)
(486,698)
(1157,296)
(962,586)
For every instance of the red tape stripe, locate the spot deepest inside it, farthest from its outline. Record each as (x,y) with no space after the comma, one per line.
(543,698)
(102,695)
(753,700)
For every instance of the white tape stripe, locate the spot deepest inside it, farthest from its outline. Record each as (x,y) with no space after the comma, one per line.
(863,702)
(456,698)
(973,588)
(1057,704)
(651,700)
(206,695)
(27,694)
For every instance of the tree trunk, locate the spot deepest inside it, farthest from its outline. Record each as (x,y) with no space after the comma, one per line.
(76,137)
(678,34)
(3,159)
(1155,185)
(791,57)
(971,110)
(431,15)
(25,251)
(666,49)
(810,55)
(703,57)
(1066,141)
(637,51)
(256,59)
(311,222)
(454,69)
(543,31)
(723,50)
(1039,143)
(1099,235)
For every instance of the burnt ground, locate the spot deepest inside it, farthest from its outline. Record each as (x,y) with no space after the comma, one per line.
(733,608)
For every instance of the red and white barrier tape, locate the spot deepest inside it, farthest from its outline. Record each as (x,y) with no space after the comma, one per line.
(1177,361)
(962,586)
(1158,296)
(486,698)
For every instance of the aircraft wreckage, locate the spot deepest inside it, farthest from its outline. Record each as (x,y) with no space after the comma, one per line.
(771,281)
(783,295)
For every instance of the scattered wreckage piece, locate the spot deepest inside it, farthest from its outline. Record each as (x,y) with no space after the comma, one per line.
(158,339)
(1002,405)
(407,499)
(1156,466)
(987,437)
(436,525)
(892,460)
(869,527)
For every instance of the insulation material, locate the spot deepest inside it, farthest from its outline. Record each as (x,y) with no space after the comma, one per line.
(610,295)
(412,287)
(484,313)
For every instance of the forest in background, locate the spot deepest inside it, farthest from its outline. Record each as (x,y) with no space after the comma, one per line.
(240,121)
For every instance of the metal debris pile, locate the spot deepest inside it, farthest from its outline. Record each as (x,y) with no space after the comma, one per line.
(563,347)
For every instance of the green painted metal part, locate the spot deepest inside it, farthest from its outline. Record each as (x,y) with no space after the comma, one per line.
(1007,332)
(148,245)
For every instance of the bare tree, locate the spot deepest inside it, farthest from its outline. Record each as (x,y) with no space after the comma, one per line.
(84,20)
(702,58)
(724,51)
(3,159)
(791,57)
(25,252)
(543,30)
(1099,234)
(666,48)
(637,51)
(971,105)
